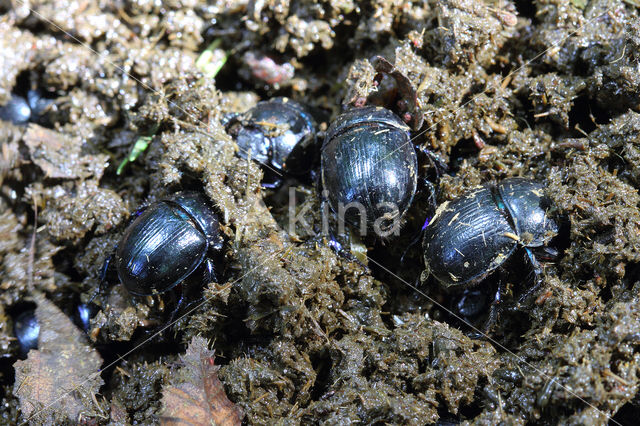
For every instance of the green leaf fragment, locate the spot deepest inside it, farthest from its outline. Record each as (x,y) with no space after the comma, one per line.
(141,144)
(211,61)
(579,4)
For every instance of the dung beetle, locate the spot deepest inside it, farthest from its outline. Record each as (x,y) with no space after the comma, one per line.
(32,109)
(83,314)
(17,110)
(26,330)
(369,169)
(279,133)
(473,235)
(166,243)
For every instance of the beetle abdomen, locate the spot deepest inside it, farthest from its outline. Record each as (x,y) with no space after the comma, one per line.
(468,238)
(159,249)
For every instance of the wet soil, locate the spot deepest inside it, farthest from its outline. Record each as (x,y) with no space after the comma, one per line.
(548,90)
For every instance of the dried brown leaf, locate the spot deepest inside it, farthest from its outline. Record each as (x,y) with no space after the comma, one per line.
(60,379)
(59,156)
(196,396)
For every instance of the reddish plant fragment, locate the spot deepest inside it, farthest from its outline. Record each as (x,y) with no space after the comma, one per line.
(196,396)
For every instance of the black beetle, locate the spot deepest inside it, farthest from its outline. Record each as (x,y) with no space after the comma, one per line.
(279,133)
(167,242)
(473,235)
(17,110)
(26,330)
(32,109)
(369,169)
(83,315)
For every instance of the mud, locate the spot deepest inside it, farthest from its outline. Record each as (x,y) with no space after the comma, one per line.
(548,90)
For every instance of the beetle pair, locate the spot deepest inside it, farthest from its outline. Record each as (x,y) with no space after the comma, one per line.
(175,239)
(368,165)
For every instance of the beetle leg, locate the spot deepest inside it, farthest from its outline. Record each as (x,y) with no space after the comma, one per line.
(175,310)
(208,275)
(431,201)
(538,277)
(431,209)
(494,313)
(346,254)
(159,331)
(272,185)
(230,118)
(411,244)
(104,271)
(335,245)
(439,165)
(103,276)
(208,272)
(494,310)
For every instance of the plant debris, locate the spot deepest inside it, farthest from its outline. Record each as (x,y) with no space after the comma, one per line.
(195,395)
(60,156)
(58,381)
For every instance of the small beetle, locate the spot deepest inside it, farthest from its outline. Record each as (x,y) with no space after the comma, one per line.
(27,330)
(279,133)
(167,242)
(473,235)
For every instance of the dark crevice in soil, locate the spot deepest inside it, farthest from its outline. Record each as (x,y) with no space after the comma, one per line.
(587,115)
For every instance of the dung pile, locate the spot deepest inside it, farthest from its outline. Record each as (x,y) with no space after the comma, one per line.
(549,90)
